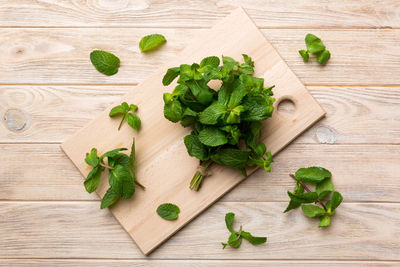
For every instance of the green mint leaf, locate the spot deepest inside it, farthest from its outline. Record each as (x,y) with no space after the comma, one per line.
(172,109)
(314,44)
(133,107)
(324,221)
(335,201)
(237,95)
(109,198)
(212,114)
(194,147)
(105,62)
(256,110)
(248,66)
(260,149)
(133,120)
(121,181)
(298,189)
(112,153)
(323,57)
(229,221)
(168,211)
(119,159)
(308,197)
(293,204)
(211,136)
(203,94)
(91,158)
(151,42)
(118,110)
(324,188)
(93,179)
(304,54)
(210,61)
(253,239)
(232,157)
(312,174)
(171,74)
(235,239)
(312,211)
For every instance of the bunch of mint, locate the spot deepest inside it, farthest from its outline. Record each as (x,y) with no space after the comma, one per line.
(322,179)
(222,119)
(122,177)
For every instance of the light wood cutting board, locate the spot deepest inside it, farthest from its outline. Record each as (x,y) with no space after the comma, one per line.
(164,166)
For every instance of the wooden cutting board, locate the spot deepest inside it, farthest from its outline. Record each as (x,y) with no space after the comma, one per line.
(164,166)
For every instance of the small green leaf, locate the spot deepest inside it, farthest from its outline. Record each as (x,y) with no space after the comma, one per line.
(118,110)
(133,120)
(112,153)
(297,199)
(210,61)
(194,147)
(229,221)
(323,57)
(105,62)
(109,198)
(255,240)
(171,74)
(235,239)
(248,66)
(212,113)
(121,181)
(324,221)
(314,44)
(93,179)
(312,211)
(91,158)
(304,54)
(172,109)
(312,174)
(151,42)
(298,189)
(211,136)
(324,188)
(168,211)
(133,107)
(335,201)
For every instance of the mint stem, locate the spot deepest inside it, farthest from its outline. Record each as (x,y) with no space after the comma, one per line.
(123,118)
(198,177)
(106,166)
(308,190)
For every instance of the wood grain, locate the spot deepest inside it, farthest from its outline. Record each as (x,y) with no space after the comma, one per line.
(61,56)
(358,231)
(188,263)
(355,114)
(162,156)
(177,14)
(47,174)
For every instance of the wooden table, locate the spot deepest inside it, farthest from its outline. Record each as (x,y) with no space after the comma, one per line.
(49,89)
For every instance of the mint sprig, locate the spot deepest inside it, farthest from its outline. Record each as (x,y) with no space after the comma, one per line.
(322,179)
(126,111)
(236,237)
(220,119)
(122,174)
(105,62)
(315,46)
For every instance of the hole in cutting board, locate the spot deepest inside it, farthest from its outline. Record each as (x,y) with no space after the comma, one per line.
(286,107)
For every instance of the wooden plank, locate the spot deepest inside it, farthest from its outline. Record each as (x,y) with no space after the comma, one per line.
(156,13)
(187,263)
(47,174)
(161,154)
(358,232)
(53,113)
(59,56)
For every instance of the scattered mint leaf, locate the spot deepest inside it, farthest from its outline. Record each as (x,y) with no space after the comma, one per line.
(151,42)
(105,62)
(323,57)
(304,54)
(312,174)
(168,211)
(125,110)
(236,237)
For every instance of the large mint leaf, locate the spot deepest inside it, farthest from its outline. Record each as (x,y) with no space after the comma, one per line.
(105,62)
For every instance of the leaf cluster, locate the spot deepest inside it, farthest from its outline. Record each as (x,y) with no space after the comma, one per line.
(126,111)
(315,46)
(236,237)
(322,179)
(223,119)
(122,174)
